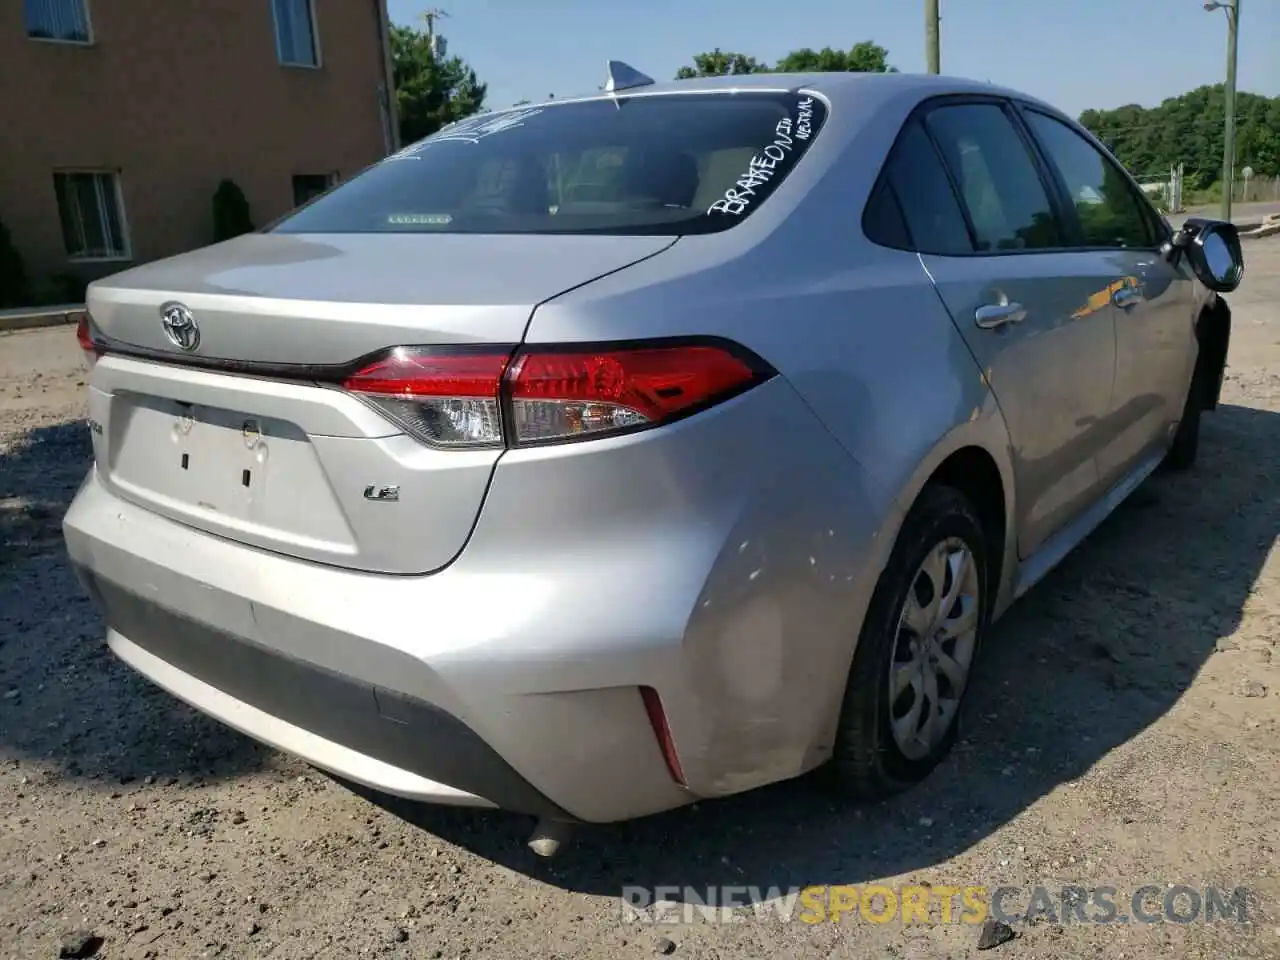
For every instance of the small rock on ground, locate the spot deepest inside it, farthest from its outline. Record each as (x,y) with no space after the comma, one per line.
(993,934)
(79,944)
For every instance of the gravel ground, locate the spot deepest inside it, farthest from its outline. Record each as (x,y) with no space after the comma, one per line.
(1124,733)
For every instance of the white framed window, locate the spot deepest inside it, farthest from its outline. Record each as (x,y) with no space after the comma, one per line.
(296,42)
(58,21)
(91,208)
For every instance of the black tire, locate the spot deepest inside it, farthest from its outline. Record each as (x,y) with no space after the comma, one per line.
(1186,442)
(867,763)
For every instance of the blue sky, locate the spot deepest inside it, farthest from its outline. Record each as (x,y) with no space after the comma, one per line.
(1073,53)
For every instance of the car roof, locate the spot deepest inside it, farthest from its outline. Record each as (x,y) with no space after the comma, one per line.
(867,88)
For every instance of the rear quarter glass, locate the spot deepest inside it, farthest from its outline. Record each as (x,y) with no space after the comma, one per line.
(665,164)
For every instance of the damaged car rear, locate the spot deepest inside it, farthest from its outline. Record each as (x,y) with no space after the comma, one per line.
(594,457)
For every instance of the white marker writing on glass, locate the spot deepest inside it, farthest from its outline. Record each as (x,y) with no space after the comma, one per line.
(760,171)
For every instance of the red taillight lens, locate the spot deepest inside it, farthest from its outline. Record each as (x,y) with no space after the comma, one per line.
(556,396)
(446,399)
(457,398)
(88,342)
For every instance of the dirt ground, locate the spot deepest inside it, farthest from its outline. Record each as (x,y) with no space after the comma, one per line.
(1125,732)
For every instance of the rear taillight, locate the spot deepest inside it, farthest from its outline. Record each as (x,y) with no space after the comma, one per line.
(494,397)
(88,339)
(446,399)
(558,396)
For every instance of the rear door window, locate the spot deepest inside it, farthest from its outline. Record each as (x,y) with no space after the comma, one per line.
(1007,202)
(656,164)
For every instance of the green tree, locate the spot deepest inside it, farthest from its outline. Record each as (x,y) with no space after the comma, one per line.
(430,91)
(720,63)
(808,60)
(1189,130)
(864,57)
(868,57)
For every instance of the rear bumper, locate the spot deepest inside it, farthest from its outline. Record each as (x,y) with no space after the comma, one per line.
(728,575)
(345,671)
(380,737)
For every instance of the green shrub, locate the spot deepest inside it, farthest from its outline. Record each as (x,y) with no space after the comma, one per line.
(230,212)
(14,291)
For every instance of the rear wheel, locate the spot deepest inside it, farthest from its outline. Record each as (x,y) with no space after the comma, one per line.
(912,665)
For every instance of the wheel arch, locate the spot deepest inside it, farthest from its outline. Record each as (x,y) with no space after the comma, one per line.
(974,472)
(1213,336)
(976,459)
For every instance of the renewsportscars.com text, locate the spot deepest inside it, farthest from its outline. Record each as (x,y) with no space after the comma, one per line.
(931,904)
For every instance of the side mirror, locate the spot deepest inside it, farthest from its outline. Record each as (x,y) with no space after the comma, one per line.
(1213,249)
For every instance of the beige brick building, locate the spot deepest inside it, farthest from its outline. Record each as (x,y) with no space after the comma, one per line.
(118,118)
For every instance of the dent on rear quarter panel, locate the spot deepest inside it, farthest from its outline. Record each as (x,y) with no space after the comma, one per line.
(772,634)
(893,390)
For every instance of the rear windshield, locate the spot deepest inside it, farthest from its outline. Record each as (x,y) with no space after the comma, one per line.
(657,164)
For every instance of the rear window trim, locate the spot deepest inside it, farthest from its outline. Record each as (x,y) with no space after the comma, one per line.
(640,93)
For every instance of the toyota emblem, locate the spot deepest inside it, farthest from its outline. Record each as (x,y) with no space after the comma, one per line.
(180,326)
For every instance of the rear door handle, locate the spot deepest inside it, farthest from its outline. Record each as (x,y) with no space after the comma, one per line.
(1127,297)
(994,315)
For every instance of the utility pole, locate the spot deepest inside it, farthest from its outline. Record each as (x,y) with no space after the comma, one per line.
(1229,135)
(1232,9)
(430,17)
(932,51)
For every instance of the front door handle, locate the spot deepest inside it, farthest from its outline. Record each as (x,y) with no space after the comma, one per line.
(1127,297)
(994,315)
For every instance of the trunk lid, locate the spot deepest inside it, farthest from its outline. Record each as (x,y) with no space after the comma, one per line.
(288,464)
(330,298)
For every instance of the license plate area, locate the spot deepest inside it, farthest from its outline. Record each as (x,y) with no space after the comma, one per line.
(205,457)
(247,477)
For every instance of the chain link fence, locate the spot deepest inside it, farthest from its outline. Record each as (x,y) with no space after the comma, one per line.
(1164,189)
(1255,189)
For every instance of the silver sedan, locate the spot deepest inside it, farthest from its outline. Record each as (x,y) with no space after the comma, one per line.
(602,455)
